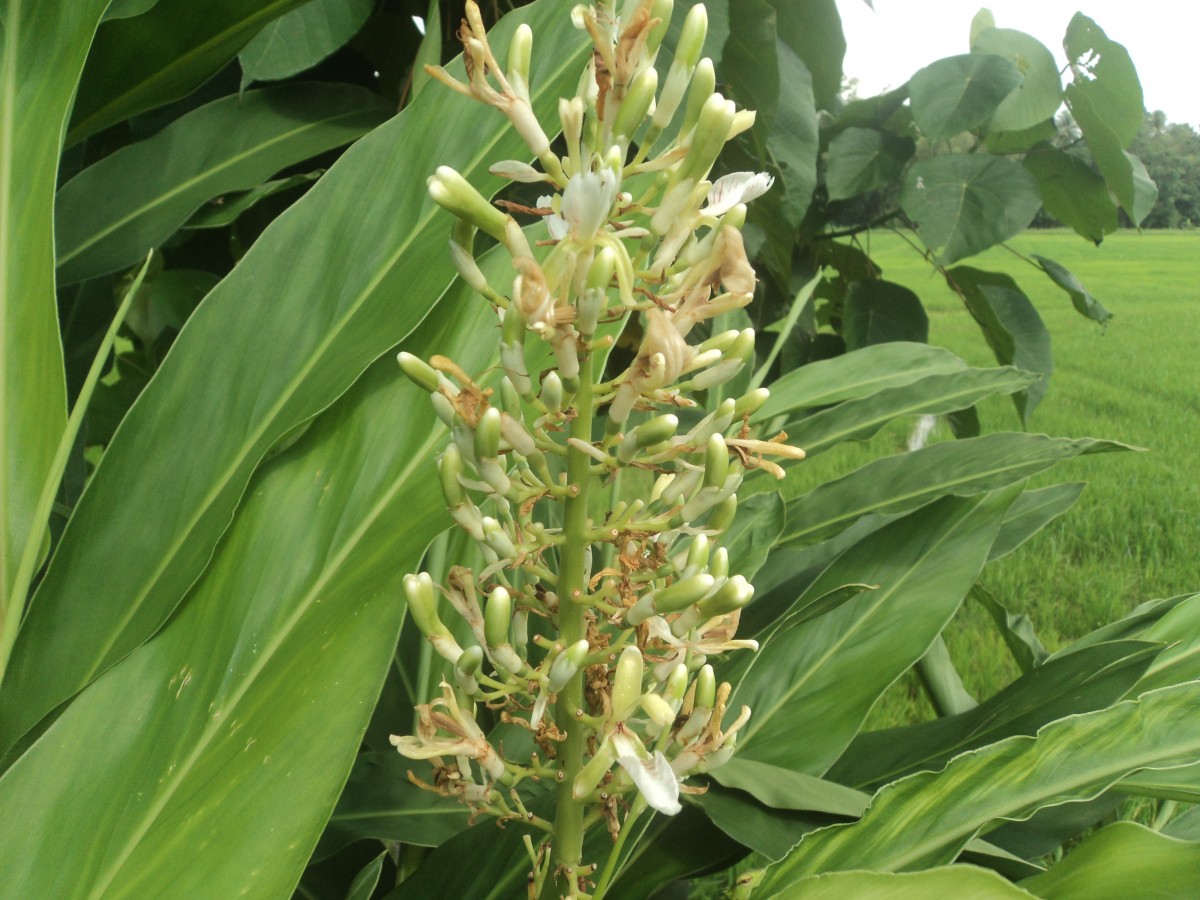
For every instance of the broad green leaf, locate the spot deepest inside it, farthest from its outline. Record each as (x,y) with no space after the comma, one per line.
(42,49)
(813,31)
(1039,95)
(862,159)
(1072,192)
(924,820)
(113,212)
(1081,298)
(945,881)
(857,420)
(941,681)
(123,9)
(820,679)
(225,210)
(380,802)
(900,483)
(1185,826)
(249,706)
(769,831)
(146,61)
(429,53)
(364,884)
(1180,629)
(880,312)
(1133,625)
(1033,511)
(485,862)
(1017,631)
(343,276)
(959,93)
(858,374)
(1105,99)
(300,39)
(784,788)
(964,204)
(1011,325)
(675,848)
(1123,860)
(1180,783)
(794,142)
(1002,143)
(1145,191)
(1077,683)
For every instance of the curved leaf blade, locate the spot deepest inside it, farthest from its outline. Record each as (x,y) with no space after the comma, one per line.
(958,93)
(338,279)
(1069,760)
(880,312)
(1039,95)
(1072,192)
(302,38)
(113,212)
(944,881)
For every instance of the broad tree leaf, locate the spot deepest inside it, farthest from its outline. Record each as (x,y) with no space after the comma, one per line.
(302,38)
(1072,192)
(819,679)
(380,802)
(880,312)
(42,49)
(1081,682)
(959,93)
(857,374)
(1031,512)
(813,30)
(857,420)
(862,159)
(897,484)
(1123,860)
(1039,95)
(964,204)
(925,819)
(113,212)
(944,881)
(1081,298)
(146,61)
(1005,142)
(1145,191)
(1011,326)
(256,695)
(1105,99)
(341,277)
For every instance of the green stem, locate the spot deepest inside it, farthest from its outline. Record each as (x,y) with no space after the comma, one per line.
(567,846)
(610,865)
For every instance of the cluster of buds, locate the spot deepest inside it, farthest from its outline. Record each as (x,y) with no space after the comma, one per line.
(598,505)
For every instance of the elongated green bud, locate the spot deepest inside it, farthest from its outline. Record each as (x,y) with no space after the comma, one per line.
(718,563)
(706,687)
(593,773)
(697,557)
(520,49)
(450,467)
(520,632)
(679,487)
(497,538)
(743,347)
(497,616)
(470,661)
(661,10)
(704,82)
(455,194)
(677,683)
(724,371)
(552,391)
(465,265)
(651,432)
(750,403)
(658,710)
(487,434)
(716,461)
(516,435)
(722,341)
(723,514)
(733,594)
(422,604)
(443,407)
(680,595)
(691,37)
(566,665)
(627,683)
(636,104)
(716,117)
(418,371)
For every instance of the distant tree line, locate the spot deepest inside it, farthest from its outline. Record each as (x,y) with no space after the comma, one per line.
(1171,153)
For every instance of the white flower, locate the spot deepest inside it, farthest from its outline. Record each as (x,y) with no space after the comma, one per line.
(651,772)
(517,171)
(587,201)
(736,187)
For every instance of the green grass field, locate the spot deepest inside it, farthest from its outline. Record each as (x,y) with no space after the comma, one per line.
(1134,533)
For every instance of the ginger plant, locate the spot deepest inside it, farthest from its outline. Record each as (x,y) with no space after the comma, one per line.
(591,623)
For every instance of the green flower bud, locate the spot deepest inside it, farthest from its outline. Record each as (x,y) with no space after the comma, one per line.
(422,606)
(470,661)
(706,688)
(450,467)
(593,773)
(661,10)
(722,341)
(627,683)
(512,329)
(512,360)
(683,593)
(723,514)
(716,461)
(750,403)
(520,49)
(467,268)
(418,371)
(566,665)
(443,408)
(724,371)
(658,710)
(704,82)
(677,683)
(718,563)
(516,435)
(680,486)
(636,104)
(455,194)
(650,432)
(743,347)
(691,37)
(497,538)
(697,557)
(733,594)
(487,434)
(708,138)
(497,616)
(552,391)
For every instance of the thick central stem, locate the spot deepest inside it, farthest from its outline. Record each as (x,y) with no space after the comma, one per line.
(567,850)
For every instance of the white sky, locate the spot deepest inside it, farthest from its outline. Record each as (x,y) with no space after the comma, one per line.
(901,36)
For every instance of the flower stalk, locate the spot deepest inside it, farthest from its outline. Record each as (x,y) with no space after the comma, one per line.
(597,498)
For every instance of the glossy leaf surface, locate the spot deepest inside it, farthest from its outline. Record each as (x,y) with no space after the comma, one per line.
(302,38)
(959,93)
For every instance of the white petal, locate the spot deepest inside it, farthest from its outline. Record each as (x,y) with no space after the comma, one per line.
(587,201)
(655,780)
(737,187)
(517,171)
(539,710)
(557,226)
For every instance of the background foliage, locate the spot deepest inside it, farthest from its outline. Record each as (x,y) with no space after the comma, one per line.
(204,643)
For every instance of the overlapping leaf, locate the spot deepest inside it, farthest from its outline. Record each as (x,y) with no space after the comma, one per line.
(302,38)
(334,282)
